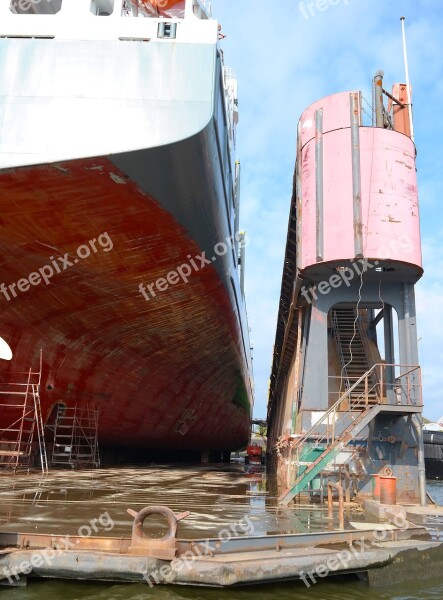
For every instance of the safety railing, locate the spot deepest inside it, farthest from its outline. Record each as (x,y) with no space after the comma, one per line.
(403,389)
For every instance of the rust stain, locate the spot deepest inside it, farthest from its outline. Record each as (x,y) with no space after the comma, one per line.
(402,162)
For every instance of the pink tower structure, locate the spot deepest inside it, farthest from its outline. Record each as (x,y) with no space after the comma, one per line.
(345,385)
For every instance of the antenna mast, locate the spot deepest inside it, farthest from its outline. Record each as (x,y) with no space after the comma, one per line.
(408,88)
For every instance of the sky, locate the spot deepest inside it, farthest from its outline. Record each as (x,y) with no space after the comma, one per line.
(287,58)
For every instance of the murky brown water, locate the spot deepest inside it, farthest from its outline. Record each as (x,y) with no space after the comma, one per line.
(340,589)
(67,501)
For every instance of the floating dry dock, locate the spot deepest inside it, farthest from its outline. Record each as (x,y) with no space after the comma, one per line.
(215,562)
(238,554)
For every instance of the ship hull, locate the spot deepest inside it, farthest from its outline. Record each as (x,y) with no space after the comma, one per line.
(127,140)
(433,442)
(165,370)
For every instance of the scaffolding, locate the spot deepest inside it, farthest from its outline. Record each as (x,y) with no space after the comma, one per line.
(76,437)
(22,432)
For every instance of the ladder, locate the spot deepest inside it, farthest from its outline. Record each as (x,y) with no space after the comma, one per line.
(40,429)
(21,418)
(76,437)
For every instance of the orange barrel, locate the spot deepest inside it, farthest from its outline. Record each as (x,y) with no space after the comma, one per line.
(376,487)
(388,489)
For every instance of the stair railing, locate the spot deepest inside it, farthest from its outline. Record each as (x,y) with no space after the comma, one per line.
(325,429)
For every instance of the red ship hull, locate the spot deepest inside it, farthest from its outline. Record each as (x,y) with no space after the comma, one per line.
(166,372)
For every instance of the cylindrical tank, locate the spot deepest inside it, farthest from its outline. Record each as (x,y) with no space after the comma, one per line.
(356,193)
(388,489)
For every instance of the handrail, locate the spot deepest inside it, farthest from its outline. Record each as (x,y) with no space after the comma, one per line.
(346,394)
(321,432)
(333,407)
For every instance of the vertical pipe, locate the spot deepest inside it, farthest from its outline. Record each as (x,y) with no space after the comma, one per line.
(356,172)
(418,425)
(389,353)
(319,182)
(408,88)
(381,384)
(341,507)
(348,484)
(378,98)
(237,206)
(241,237)
(330,510)
(409,349)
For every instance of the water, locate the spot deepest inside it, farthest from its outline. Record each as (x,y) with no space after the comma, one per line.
(340,589)
(435,488)
(213,503)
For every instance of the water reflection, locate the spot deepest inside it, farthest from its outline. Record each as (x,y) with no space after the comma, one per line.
(337,589)
(216,497)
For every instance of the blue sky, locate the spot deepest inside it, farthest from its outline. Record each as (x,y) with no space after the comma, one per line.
(284,62)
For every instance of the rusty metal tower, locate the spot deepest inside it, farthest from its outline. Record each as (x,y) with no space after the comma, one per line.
(345,383)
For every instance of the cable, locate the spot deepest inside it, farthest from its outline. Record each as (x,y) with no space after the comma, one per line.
(379,294)
(356,318)
(355,330)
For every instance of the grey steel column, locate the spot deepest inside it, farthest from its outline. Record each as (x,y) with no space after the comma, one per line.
(409,356)
(319,227)
(315,380)
(389,353)
(356,172)
(378,99)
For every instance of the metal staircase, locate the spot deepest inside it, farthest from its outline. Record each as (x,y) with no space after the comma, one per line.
(362,419)
(318,447)
(76,437)
(354,362)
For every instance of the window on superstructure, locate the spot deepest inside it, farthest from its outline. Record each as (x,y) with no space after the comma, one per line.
(154,8)
(102,8)
(34,7)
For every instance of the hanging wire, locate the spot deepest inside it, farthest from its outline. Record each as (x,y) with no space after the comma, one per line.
(355,329)
(370,116)
(379,294)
